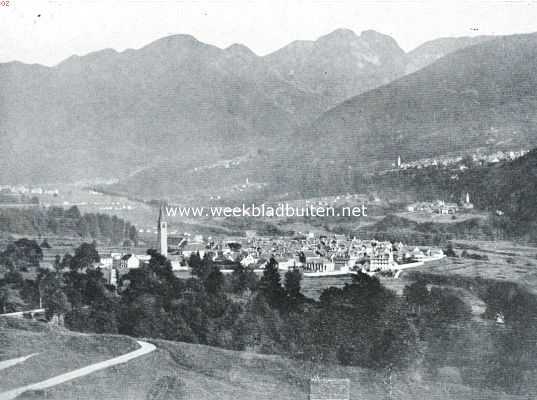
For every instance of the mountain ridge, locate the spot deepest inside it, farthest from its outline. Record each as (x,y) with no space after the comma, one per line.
(477,97)
(176,101)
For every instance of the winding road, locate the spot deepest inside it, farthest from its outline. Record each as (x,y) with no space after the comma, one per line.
(145,348)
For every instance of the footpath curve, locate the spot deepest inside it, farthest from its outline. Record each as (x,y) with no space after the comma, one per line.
(145,348)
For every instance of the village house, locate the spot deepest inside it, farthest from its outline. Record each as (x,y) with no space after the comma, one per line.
(129,261)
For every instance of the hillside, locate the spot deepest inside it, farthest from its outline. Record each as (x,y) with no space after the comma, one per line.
(180,370)
(482,96)
(55,351)
(108,113)
(430,51)
(505,190)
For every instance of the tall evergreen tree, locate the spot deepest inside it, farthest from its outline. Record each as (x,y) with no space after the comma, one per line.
(270,285)
(292,283)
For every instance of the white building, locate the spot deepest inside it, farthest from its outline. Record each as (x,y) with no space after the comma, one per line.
(248,260)
(129,261)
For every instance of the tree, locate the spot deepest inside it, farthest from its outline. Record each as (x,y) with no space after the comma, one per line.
(292,281)
(449,250)
(214,282)
(51,288)
(57,262)
(243,279)
(102,317)
(270,284)
(258,328)
(85,255)
(194,262)
(83,228)
(162,267)
(201,267)
(73,213)
(22,254)
(93,225)
(56,303)
(133,234)
(416,295)
(10,299)
(66,261)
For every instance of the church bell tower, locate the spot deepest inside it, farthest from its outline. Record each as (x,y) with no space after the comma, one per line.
(162,235)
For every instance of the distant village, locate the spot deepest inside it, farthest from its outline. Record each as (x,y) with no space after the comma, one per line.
(446,161)
(27,190)
(441,207)
(23,194)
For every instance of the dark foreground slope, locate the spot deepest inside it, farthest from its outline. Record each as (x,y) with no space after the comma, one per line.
(187,371)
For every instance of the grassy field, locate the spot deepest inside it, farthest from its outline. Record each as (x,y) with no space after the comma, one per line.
(57,351)
(186,371)
(507,261)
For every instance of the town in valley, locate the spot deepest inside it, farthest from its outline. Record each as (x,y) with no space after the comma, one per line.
(259,199)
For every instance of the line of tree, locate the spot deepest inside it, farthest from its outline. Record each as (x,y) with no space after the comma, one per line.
(69,222)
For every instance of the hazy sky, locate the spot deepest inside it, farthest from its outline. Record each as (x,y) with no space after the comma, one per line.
(48,31)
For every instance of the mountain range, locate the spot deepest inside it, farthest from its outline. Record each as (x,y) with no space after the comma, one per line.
(159,117)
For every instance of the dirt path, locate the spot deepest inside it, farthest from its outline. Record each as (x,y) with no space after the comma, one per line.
(14,361)
(145,348)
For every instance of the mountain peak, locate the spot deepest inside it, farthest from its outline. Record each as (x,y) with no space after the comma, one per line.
(374,40)
(240,49)
(177,41)
(381,41)
(340,34)
(372,34)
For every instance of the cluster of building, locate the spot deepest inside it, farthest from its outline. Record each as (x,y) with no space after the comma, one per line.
(440,206)
(497,156)
(312,254)
(444,161)
(26,190)
(448,161)
(338,253)
(23,195)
